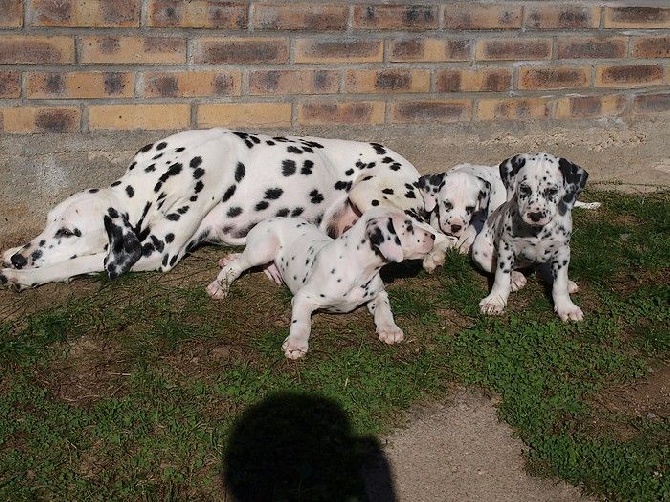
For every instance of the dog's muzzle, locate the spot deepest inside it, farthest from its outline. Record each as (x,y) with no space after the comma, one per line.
(18,261)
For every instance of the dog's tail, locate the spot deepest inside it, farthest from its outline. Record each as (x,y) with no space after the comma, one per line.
(587,205)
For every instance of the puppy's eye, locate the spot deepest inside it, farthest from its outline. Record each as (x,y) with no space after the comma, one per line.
(66,232)
(552,191)
(525,190)
(469,209)
(448,206)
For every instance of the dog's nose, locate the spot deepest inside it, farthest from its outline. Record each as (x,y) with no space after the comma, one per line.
(535,216)
(18,260)
(456,228)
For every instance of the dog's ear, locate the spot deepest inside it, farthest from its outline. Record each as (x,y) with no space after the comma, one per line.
(384,239)
(484,195)
(509,169)
(574,181)
(124,247)
(430,186)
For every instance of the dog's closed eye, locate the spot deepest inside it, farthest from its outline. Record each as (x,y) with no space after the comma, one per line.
(66,232)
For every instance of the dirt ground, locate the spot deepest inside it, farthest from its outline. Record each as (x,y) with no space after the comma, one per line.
(457,450)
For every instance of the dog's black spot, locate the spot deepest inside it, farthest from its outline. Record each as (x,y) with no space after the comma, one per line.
(387,191)
(93,190)
(130,191)
(150,168)
(293,149)
(307,167)
(169,237)
(234,211)
(229,193)
(113,213)
(379,149)
(288,167)
(349,172)
(115,183)
(311,144)
(173,216)
(166,257)
(180,149)
(157,156)
(343,185)
(161,146)
(193,198)
(270,143)
(195,162)
(297,212)
(148,249)
(183,210)
(240,171)
(273,193)
(198,187)
(198,173)
(315,197)
(374,202)
(145,148)
(158,244)
(262,205)
(410,195)
(173,260)
(283,213)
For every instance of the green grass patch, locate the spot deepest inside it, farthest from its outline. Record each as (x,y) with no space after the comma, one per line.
(145,389)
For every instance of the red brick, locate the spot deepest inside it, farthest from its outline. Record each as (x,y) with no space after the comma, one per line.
(387,81)
(272,82)
(479,79)
(554,77)
(139,116)
(581,107)
(12,13)
(629,75)
(430,50)
(240,50)
(546,16)
(636,17)
(651,47)
(79,85)
(390,17)
(189,84)
(133,50)
(35,49)
(513,109)
(198,14)
(27,119)
(431,111)
(473,16)
(505,49)
(75,13)
(591,48)
(10,84)
(244,115)
(299,16)
(336,51)
(339,112)
(652,103)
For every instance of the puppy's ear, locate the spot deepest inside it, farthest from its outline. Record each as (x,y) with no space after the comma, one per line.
(124,246)
(384,239)
(430,186)
(484,195)
(509,169)
(574,181)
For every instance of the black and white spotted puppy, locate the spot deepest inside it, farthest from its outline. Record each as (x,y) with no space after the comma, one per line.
(460,199)
(533,226)
(212,186)
(335,275)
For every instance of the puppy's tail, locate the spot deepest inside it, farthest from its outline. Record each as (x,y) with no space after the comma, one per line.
(587,205)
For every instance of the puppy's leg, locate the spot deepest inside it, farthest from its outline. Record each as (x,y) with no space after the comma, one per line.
(563,305)
(297,343)
(495,302)
(518,280)
(58,272)
(387,329)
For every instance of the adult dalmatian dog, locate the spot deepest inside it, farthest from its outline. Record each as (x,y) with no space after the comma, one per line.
(335,275)
(213,186)
(461,199)
(533,226)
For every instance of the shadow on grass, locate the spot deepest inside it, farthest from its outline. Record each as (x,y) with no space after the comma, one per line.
(300,446)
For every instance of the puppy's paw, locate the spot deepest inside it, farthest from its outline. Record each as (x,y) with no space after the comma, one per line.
(569,312)
(390,334)
(492,305)
(226,259)
(518,280)
(572,287)
(433,260)
(216,290)
(294,349)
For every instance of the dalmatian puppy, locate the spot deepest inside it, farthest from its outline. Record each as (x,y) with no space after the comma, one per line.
(335,275)
(460,200)
(533,226)
(213,186)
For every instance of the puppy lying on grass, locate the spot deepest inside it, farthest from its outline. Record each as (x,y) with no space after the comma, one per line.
(335,275)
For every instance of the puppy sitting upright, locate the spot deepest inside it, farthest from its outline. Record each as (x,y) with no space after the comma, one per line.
(533,226)
(335,275)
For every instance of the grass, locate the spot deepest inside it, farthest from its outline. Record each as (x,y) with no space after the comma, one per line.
(144,389)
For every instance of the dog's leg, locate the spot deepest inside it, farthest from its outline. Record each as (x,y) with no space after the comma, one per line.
(495,302)
(297,343)
(387,329)
(58,272)
(563,305)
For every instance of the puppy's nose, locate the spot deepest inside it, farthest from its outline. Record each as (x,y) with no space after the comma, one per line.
(18,260)
(456,228)
(432,236)
(535,216)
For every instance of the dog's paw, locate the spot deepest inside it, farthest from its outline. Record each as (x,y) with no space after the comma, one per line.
(433,260)
(226,259)
(390,334)
(569,312)
(518,280)
(492,305)
(294,349)
(216,290)
(572,287)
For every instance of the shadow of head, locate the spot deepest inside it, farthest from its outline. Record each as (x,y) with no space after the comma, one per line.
(298,446)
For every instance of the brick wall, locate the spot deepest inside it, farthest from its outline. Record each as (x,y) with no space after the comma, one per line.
(86,65)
